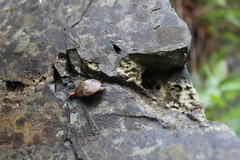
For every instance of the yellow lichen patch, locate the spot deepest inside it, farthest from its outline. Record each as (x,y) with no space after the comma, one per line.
(9,102)
(184,98)
(93,66)
(130,71)
(188,96)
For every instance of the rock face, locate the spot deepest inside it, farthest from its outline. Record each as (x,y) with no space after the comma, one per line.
(148,109)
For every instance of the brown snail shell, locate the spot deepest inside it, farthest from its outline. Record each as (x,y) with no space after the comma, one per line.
(87,88)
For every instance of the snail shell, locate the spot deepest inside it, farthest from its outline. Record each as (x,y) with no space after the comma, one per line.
(87,88)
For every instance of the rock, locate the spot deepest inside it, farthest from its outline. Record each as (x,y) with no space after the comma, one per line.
(148,109)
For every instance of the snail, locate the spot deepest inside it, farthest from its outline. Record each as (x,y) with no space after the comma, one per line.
(87,88)
(84,89)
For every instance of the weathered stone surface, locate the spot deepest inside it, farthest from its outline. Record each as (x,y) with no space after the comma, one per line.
(149,108)
(145,32)
(56,151)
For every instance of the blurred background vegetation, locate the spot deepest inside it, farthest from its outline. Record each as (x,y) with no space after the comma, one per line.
(215,56)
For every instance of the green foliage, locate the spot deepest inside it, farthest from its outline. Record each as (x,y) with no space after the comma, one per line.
(221,15)
(218,88)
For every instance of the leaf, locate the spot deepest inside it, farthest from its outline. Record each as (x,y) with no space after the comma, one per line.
(217,100)
(230,17)
(231,37)
(212,82)
(230,86)
(221,70)
(221,3)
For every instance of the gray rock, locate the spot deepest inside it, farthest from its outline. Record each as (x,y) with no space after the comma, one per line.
(148,109)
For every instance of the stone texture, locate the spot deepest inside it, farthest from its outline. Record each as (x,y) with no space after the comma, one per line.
(149,108)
